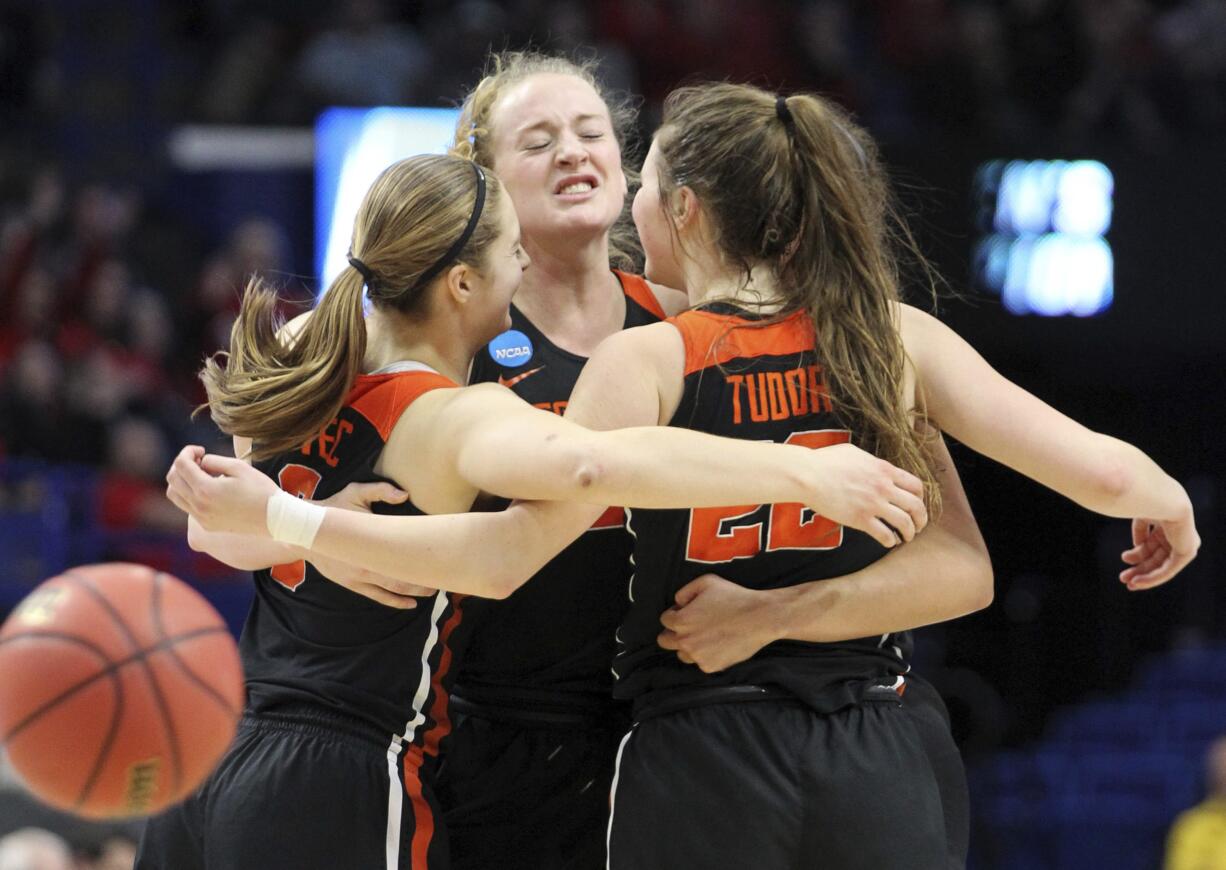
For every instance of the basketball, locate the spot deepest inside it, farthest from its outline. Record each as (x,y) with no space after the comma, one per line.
(120,688)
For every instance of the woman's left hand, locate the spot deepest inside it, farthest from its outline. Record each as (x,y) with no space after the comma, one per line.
(717,623)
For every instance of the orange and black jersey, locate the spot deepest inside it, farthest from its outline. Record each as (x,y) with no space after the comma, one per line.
(549,645)
(308,640)
(760,380)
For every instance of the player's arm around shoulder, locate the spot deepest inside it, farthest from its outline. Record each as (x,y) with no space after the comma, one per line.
(502,445)
(488,438)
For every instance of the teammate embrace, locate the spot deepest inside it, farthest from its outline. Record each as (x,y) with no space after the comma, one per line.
(775,721)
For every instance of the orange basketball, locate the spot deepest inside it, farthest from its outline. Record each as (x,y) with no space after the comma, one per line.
(120,688)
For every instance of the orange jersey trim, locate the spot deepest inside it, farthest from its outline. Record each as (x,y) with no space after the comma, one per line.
(423,816)
(381,399)
(714,339)
(639,290)
(439,711)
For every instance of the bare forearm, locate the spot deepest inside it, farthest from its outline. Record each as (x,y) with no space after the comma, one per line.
(1136,486)
(486,554)
(647,467)
(243,552)
(934,578)
(672,467)
(943,574)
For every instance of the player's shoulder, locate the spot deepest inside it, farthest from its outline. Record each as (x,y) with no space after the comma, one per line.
(461,404)
(656,346)
(659,300)
(672,301)
(907,315)
(648,339)
(922,332)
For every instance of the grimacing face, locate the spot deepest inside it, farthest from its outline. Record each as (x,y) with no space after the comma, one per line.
(555,150)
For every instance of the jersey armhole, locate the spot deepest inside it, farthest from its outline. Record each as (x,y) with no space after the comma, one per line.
(384,405)
(699,335)
(636,287)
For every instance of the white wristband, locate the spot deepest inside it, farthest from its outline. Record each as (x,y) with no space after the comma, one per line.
(293,520)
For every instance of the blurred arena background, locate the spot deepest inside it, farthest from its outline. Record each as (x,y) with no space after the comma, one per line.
(1065,167)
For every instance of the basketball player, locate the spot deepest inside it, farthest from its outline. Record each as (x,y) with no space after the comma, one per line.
(773,213)
(806,751)
(528,769)
(526,775)
(347,699)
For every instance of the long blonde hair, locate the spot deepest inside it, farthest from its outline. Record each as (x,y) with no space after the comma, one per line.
(280,392)
(474,137)
(794,185)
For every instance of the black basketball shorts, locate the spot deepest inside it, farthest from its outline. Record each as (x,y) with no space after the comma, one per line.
(517,796)
(773,785)
(300,792)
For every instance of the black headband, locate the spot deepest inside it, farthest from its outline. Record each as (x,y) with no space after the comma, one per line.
(454,251)
(784,113)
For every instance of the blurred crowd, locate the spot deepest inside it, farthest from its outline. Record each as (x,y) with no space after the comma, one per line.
(1148,69)
(108,300)
(105,313)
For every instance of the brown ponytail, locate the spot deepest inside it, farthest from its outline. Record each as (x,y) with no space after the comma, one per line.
(280,391)
(795,186)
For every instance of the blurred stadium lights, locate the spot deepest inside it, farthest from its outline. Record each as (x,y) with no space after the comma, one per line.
(352,146)
(1043,250)
(199,148)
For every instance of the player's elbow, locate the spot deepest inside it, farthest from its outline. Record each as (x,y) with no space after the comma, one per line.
(981,590)
(500,584)
(581,470)
(588,475)
(493,577)
(975,580)
(196,537)
(1109,478)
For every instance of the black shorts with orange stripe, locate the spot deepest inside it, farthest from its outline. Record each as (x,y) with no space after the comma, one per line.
(305,788)
(775,785)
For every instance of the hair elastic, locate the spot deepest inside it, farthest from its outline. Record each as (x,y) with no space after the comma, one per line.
(363,270)
(454,251)
(783,112)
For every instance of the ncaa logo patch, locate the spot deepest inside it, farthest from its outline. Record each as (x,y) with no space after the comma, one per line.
(511,349)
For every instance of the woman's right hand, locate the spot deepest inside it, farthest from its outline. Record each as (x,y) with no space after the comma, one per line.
(858,490)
